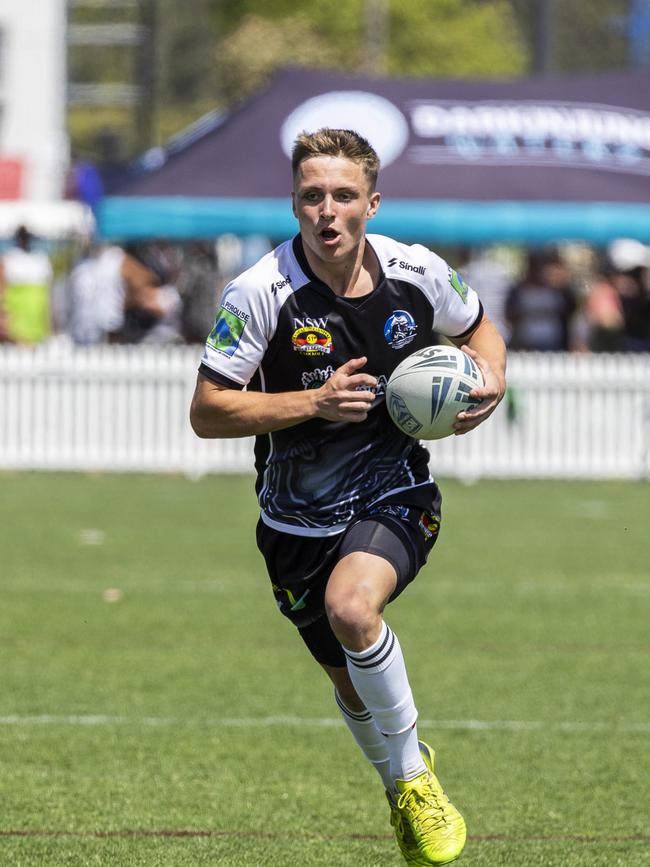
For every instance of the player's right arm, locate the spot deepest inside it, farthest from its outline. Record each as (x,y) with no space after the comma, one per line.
(217,411)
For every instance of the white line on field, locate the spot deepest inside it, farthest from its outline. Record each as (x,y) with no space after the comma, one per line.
(627,583)
(322,722)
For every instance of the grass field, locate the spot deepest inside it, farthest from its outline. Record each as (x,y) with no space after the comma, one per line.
(184,724)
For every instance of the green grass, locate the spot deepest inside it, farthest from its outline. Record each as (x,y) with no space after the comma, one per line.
(145,731)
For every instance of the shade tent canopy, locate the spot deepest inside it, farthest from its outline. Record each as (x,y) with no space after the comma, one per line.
(52,221)
(527,161)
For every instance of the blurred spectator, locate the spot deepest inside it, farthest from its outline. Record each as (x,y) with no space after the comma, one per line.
(121,297)
(491,279)
(603,314)
(540,309)
(84,321)
(25,281)
(631,261)
(152,304)
(162,292)
(199,284)
(237,253)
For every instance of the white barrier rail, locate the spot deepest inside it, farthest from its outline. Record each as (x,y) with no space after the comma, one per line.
(125,408)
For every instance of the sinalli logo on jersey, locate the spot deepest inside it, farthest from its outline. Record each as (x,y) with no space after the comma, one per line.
(405,266)
(280,284)
(399,329)
(312,341)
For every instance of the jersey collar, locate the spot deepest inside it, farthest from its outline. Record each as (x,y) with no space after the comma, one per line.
(301,259)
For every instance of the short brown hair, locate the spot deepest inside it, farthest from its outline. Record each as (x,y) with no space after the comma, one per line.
(328,142)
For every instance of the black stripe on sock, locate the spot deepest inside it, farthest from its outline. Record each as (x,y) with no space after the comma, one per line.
(364,716)
(379,661)
(379,650)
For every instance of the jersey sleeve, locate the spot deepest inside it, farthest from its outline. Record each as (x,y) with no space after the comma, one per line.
(457,307)
(242,329)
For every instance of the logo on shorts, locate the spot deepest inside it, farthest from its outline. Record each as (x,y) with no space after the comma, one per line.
(312,341)
(399,329)
(228,329)
(429,524)
(297,604)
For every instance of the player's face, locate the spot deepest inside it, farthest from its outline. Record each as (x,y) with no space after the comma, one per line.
(333,202)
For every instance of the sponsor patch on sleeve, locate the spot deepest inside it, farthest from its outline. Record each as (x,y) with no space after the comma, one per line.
(228,329)
(457,284)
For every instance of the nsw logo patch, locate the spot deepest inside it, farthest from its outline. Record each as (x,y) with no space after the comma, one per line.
(312,341)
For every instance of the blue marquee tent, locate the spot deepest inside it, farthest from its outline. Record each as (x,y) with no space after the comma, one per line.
(469,162)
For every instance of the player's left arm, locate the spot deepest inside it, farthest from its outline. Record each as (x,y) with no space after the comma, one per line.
(485,345)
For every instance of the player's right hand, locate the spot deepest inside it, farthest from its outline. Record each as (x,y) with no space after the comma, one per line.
(347,395)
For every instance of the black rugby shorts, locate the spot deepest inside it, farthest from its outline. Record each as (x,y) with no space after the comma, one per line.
(299,566)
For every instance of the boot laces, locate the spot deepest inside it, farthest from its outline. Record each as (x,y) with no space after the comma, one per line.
(402,830)
(424,805)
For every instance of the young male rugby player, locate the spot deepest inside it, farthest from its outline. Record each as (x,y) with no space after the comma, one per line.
(303,345)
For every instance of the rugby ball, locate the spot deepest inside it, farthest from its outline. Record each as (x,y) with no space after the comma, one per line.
(428,389)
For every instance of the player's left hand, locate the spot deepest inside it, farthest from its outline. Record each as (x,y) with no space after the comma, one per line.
(490,394)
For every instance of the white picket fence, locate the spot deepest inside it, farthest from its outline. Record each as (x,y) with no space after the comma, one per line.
(119,408)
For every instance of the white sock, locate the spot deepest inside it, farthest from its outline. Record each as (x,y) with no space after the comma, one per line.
(379,677)
(371,741)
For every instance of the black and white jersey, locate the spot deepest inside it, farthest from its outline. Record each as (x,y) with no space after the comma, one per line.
(280,328)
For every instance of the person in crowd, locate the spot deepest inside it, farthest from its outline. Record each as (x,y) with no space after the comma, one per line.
(631,278)
(299,356)
(152,304)
(480,267)
(25,284)
(121,296)
(617,305)
(199,284)
(83,320)
(540,308)
(604,321)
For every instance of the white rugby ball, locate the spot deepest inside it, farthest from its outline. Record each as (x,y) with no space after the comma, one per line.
(428,389)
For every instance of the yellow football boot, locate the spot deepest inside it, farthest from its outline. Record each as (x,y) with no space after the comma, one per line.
(405,839)
(431,830)
(404,836)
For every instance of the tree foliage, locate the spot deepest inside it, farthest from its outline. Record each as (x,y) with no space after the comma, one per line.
(454,38)
(215,53)
(440,37)
(583,36)
(259,46)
